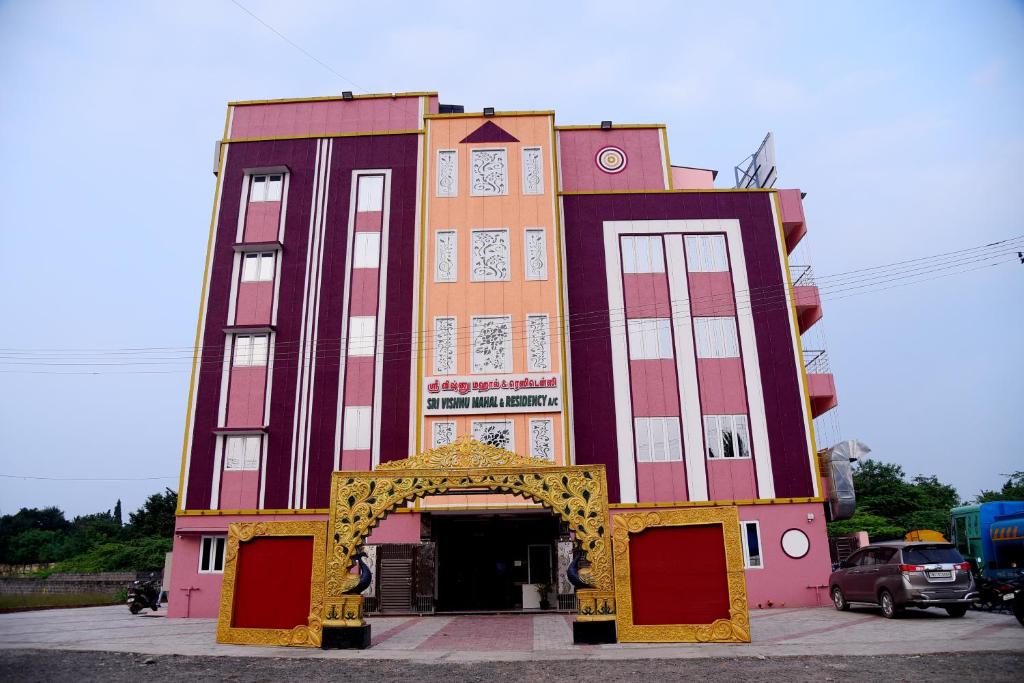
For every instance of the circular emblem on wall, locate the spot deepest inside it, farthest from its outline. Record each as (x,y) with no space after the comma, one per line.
(611,159)
(795,543)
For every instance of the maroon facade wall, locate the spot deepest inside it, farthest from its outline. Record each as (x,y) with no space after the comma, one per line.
(591,375)
(395,152)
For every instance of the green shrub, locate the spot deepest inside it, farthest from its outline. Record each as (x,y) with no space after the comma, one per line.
(139,554)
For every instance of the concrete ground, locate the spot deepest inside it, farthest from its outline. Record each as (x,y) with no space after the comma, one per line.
(540,637)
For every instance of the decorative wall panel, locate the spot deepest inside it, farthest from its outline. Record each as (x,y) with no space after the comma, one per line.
(446,256)
(492,344)
(447,173)
(489,172)
(536,253)
(445,336)
(533,171)
(538,346)
(490,256)
(542,438)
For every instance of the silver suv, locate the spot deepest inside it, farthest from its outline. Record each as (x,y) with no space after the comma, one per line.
(898,574)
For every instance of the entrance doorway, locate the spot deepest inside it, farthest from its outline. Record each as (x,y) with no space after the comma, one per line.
(485,561)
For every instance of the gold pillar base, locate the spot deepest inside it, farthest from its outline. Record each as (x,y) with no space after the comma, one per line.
(344,611)
(595,605)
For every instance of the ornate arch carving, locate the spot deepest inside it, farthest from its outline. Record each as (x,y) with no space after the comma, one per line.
(576,493)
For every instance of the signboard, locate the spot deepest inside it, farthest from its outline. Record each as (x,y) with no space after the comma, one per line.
(477,394)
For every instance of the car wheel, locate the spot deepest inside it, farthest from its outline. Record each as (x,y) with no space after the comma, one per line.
(956,611)
(889,608)
(839,600)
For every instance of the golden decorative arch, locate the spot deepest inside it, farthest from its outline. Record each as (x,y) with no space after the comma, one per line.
(576,493)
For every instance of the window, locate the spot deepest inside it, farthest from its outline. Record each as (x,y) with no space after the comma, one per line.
(716,337)
(536,253)
(492,344)
(490,256)
(538,347)
(211,554)
(657,439)
(356,436)
(242,453)
(370,193)
(932,554)
(489,172)
(706,254)
(442,434)
(446,262)
(495,433)
(367,248)
(533,171)
(650,338)
(251,350)
(445,336)
(447,173)
(750,534)
(727,436)
(258,267)
(361,339)
(266,188)
(642,255)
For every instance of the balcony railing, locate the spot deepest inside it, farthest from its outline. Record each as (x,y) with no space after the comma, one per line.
(802,276)
(816,362)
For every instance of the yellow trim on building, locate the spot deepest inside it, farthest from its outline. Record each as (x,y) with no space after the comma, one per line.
(424,238)
(675,191)
(333,98)
(563,320)
(715,503)
(497,114)
(668,158)
(615,126)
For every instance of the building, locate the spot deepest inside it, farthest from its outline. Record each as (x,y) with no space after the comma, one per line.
(386,273)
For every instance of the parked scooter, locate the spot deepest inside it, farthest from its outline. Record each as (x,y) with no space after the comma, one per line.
(995,594)
(143,594)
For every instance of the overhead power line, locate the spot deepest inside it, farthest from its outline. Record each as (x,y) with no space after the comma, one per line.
(298,47)
(25,476)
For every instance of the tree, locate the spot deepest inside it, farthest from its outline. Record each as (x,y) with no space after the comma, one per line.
(155,517)
(117,513)
(1013,489)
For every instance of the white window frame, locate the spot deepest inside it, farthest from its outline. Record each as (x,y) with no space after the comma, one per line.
(540,156)
(218,544)
(266,187)
(508,366)
(358,433)
(526,254)
(511,430)
(648,428)
(370,193)
(250,452)
(250,350)
(472,155)
(454,192)
(258,266)
(366,248)
(362,335)
(650,246)
(747,564)
(706,253)
(716,337)
(434,443)
(650,338)
(717,424)
(508,255)
(454,237)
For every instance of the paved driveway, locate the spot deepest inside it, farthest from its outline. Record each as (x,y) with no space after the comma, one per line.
(776,633)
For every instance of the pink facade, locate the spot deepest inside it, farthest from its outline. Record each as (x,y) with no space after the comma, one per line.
(262,220)
(645,167)
(791,204)
(664,481)
(246,397)
(646,295)
(325,117)
(654,387)
(684,178)
(722,386)
(255,303)
(711,294)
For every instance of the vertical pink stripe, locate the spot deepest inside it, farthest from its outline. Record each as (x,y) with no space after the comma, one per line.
(359,381)
(731,479)
(262,220)
(722,387)
(246,397)
(355,461)
(661,482)
(653,383)
(255,302)
(239,490)
(646,295)
(365,286)
(711,294)
(369,221)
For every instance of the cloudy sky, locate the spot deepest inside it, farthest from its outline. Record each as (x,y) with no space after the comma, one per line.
(903,122)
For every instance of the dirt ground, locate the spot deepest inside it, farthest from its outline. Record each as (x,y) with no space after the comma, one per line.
(63,665)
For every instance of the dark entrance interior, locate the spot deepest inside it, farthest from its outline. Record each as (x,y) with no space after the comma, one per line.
(484,560)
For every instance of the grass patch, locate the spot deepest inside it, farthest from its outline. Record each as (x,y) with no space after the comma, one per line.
(43,600)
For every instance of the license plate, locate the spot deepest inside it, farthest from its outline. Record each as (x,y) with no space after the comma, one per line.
(1008,596)
(940,575)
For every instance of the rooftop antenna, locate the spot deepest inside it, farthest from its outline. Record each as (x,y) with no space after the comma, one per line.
(758,169)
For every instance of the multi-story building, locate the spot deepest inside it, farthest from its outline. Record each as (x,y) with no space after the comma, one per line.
(387,273)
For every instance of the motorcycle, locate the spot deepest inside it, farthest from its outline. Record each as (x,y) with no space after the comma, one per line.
(143,594)
(994,594)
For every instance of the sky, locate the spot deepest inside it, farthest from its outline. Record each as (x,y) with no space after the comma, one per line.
(903,123)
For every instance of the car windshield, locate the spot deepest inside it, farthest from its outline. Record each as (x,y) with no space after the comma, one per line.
(935,554)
